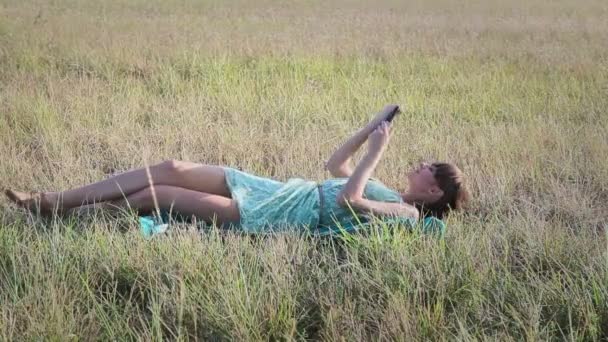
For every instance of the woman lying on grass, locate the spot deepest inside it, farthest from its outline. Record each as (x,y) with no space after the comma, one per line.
(254,204)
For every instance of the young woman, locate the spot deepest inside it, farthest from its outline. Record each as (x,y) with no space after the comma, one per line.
(228,196)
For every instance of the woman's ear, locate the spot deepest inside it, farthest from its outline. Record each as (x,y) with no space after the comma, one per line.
(436,192)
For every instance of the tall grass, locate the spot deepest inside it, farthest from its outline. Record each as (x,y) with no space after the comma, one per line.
(515,94)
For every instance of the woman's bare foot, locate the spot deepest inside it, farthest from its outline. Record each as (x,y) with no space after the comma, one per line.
(32,201)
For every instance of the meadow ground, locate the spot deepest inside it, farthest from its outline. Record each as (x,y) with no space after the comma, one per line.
(516,94)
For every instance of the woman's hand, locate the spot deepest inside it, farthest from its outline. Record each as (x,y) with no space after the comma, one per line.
(339,162)
(378,139)
(381,116)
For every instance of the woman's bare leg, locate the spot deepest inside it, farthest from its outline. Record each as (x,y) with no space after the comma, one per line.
(208,207)
(193,176)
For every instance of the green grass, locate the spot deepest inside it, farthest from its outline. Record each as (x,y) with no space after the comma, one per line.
(515,94)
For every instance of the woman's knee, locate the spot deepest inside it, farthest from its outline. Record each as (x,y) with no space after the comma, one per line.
(171,169)
(177,166)
(164,195)
(148,197)
(169,165)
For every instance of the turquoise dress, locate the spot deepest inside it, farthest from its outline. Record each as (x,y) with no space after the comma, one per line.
(269,205)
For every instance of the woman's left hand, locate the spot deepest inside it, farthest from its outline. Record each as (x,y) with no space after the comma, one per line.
(379,138)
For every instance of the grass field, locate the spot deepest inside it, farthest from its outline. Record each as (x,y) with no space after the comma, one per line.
(515,93)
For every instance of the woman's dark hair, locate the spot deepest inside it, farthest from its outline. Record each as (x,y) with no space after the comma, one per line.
(455,196)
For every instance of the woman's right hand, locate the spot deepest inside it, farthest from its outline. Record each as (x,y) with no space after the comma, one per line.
(378,139)
(381,116)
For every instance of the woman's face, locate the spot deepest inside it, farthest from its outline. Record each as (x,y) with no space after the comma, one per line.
(422,183)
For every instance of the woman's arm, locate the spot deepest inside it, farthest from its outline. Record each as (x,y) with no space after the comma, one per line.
(339,164)
(377,208)
(352,194)
(354,187)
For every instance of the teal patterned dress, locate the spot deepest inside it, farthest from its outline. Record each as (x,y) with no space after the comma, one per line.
(267,205)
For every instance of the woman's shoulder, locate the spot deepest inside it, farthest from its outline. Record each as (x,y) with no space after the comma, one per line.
(374,189)
(343,180)
(378,191)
